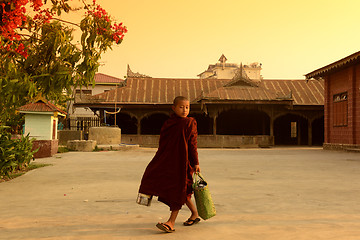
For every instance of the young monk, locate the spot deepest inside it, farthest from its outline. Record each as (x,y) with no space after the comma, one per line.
(169,174)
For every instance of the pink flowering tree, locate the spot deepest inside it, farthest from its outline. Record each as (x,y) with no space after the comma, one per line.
(39,55)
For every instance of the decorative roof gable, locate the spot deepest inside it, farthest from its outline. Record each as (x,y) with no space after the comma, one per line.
(241,79)
(131,74)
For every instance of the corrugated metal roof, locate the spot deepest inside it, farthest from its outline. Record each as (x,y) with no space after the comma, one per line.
(303,92)
(160,90)
(355,57)
(164,90)
(242,93)
(41,106)
(103,78)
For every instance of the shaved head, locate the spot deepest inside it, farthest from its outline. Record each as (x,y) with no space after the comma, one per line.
(178,99)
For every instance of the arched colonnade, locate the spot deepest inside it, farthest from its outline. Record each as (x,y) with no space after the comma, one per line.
(287,128)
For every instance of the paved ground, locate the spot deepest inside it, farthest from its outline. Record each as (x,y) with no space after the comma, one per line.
(278,193)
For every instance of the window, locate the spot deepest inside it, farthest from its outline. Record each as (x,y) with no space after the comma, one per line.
(340,109)
(293,130)
(83,91)
(88,92)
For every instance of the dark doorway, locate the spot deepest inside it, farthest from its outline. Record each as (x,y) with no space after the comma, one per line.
(291,129)
(127,123)
(243,122)
(152,124)
(318,131)
(110,119)
(204,123)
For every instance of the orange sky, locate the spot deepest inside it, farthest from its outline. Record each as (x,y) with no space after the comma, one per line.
(180,38)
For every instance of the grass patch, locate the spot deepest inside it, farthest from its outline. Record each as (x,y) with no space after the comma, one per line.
(97,149)
(19,173)
(62,149)
(33,166)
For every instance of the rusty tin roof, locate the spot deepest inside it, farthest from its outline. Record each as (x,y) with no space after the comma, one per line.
(303,92)
(41,105)
(164,90)
(159,90)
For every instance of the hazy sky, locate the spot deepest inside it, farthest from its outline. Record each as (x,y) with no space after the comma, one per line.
(180,38)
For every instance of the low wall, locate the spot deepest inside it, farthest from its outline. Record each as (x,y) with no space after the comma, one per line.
(207,141)
(341,147)
(66,135)
(105,135)
(234,141)
(47,148)
(81,145)
(141,140)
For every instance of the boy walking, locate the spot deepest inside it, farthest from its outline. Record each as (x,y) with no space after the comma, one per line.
(169,174)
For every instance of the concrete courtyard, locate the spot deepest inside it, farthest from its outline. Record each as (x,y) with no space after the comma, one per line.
(276,193)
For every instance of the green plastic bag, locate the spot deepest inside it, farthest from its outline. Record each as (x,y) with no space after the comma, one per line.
(204,203)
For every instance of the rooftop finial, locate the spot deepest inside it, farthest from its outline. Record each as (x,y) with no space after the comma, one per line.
(222,59)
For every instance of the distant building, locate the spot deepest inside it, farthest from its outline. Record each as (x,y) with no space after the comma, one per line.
(231,112)
(342,102)
(223,70)
(103,83)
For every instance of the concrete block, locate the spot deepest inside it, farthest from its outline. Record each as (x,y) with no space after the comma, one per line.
(105,135)
(81,145)
(47,148)
(65,135)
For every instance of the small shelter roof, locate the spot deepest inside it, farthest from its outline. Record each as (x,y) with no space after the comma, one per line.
(41,105)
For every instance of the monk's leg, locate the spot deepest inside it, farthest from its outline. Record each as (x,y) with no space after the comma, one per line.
(172,218)
(192,207)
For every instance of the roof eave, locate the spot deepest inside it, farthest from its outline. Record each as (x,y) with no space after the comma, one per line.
(228,101)
(38,112)
(349,60)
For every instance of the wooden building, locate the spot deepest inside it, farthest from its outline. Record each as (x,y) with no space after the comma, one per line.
(234,112)
(342,102)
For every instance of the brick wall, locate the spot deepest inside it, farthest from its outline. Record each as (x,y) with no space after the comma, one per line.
(357,106)
(346,80)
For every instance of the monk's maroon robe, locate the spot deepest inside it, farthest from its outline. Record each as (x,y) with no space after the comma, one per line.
(169,174)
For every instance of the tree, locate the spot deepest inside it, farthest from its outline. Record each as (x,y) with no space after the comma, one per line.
(39,56)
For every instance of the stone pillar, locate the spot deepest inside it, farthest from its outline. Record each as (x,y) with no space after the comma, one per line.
(214,125)
(138,126)
(309,132)
(298,133)
(272,130)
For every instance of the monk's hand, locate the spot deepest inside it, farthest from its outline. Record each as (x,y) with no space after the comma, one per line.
(197,168)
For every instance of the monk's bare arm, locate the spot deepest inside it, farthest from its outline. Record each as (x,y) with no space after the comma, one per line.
(193,154)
